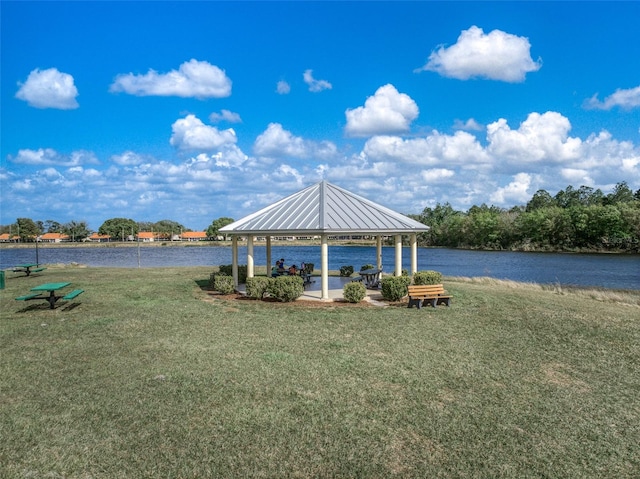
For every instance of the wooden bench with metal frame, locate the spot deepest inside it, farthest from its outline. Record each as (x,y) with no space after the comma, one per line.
(434,294)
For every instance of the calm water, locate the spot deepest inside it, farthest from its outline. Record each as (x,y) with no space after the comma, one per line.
(606,270)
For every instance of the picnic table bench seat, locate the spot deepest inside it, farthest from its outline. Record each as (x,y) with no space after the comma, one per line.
(73,294)
(434,294)
(27,297)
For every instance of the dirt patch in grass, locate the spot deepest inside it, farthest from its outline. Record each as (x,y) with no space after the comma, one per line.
(304,303)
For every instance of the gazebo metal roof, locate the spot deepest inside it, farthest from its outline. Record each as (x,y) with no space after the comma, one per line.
(324,208)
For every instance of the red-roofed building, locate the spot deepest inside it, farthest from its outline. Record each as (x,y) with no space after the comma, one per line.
(53,238)
(194,236)
(98,238)
(7,238)
(147,236)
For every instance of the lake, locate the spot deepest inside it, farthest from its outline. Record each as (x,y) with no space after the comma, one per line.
(600,270)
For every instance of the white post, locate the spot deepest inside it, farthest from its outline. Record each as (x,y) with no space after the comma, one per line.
(268,256)
(250,256)
(234,259)
(324,261)
(379,252)
(414,253)
(398,255)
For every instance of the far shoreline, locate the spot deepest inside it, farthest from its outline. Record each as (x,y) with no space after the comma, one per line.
(294,243)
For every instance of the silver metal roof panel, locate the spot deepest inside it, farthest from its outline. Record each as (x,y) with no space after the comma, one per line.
(324,208)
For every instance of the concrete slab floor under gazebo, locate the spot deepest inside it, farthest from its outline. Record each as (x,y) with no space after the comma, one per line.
(324,210)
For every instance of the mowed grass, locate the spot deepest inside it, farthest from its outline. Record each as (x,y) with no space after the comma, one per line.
(151,375)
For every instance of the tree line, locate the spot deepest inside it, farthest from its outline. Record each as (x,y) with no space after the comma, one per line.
(581,219)
(118,229)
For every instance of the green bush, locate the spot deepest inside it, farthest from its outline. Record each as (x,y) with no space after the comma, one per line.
(346,270)
(286,288)
(257,286)
(427,277)
(354,292)
(224,284)
(394,288)
(367,266)
(228,270)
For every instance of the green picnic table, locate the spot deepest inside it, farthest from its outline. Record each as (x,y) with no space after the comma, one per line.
(50,288)
(28,268)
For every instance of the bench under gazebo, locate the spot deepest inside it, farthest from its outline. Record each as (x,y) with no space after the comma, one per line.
(324,210)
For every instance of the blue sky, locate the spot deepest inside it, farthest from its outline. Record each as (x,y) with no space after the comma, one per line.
(190,111)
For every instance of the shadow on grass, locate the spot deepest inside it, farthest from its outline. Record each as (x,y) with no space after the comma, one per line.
(70,306)
(203,284)
(44,306)
(35,307)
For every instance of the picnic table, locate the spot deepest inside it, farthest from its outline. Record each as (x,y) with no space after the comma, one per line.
(28,268)
(371,277)
(50,288)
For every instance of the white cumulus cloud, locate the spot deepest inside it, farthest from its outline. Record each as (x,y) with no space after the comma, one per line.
(225,115)
(197,79)
(49,156)
(386,112)
(516,192)
(128,158)
(540,138)
(283,88)
(49,89)
(469,125)
(625,99)
(315,85)
(189,133)
(461,148)
(495,56)
(277,142)
(436,175)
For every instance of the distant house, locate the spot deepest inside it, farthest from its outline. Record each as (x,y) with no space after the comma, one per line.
(7,238)
(146,236)
(53,238)
(194,236)
(98,238)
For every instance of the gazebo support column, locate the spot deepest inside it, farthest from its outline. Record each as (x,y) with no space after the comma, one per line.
(414,253)
(269,256)
(250,256)
(234,259)
(398,255)
(324,262)
(379,252)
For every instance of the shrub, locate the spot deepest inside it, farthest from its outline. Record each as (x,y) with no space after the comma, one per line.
(257,287)
(228,270)
(286,288)
(224,284)
(354,292)
(212,279)
(394,288)
(346,270)
(366,266)
(427,277)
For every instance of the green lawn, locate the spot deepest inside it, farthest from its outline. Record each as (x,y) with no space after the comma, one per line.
(151,375)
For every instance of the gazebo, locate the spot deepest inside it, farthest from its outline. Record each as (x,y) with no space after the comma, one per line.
(324,210)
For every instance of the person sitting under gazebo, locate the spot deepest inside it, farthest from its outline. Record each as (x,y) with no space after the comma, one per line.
(293,270)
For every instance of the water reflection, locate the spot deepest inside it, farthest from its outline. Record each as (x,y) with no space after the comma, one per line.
(606,270)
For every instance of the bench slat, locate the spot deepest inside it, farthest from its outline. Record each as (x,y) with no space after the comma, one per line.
(433,293)
(27,296)
(73,294)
